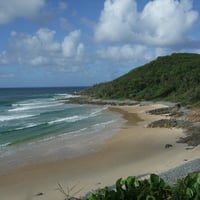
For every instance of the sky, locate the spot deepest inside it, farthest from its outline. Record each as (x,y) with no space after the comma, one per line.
(84,42)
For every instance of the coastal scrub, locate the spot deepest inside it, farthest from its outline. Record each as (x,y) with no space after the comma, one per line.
(154,188)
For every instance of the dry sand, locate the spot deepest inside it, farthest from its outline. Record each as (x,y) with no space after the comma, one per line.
(134,150)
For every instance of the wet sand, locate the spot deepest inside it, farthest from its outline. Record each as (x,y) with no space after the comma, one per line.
(133,150)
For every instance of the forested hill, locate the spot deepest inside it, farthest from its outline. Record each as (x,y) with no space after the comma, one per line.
(171,78)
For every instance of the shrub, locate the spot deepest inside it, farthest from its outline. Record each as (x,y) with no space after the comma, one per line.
(154,188)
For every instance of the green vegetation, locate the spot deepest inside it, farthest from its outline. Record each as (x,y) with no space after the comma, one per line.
(154,188)
(173,78)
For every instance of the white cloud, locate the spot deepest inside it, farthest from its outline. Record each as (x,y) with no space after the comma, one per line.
(130,54)
(26,46)
(121,52)
(167,22)
(71,46)
(46,40)
(42,49)
(160,23)
(40,60)
(117,20)
(10,9)
(80,51)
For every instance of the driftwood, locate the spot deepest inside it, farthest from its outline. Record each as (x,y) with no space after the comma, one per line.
(69,194)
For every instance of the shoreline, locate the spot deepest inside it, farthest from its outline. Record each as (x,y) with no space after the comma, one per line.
(59,147)
(134,150)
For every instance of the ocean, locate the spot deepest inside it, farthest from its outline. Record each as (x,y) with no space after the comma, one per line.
(32,115)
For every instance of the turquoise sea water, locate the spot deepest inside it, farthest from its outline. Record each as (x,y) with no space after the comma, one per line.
(33,114)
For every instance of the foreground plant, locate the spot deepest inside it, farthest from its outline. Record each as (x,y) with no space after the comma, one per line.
(154,188)
(187,188)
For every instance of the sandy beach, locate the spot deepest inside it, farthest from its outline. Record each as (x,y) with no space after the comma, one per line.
(134,150)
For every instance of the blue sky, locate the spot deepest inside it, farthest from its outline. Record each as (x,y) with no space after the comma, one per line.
(84,42)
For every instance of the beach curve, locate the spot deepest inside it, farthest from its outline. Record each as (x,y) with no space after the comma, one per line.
(134,150)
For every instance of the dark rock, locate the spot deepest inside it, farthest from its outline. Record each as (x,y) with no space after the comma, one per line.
(39,194)
(168,146)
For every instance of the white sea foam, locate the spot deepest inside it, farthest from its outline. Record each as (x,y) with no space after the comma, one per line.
(28,103)
(28,126)
(66,119)
(34,106)
(13,117)
(4,145)
(97,112)
(76,117)
(103,124)
(64,96)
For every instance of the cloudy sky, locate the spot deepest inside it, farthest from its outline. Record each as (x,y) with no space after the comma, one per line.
(83,42)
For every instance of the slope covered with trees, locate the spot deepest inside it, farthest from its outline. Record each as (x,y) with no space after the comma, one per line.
(171,78)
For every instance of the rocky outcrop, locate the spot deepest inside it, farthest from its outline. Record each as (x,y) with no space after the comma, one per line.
(171,111)
(170,123)
(164,123)
(180,118)
(92,101)
(192,137)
